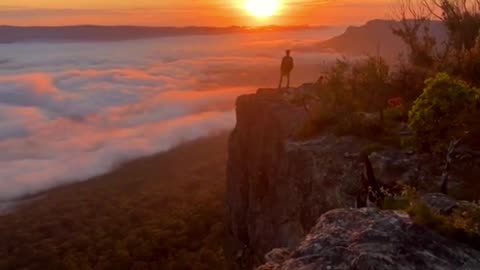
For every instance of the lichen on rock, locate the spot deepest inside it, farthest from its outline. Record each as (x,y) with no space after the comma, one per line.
(347,239)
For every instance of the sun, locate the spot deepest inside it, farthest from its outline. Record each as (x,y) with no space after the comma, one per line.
(262,8)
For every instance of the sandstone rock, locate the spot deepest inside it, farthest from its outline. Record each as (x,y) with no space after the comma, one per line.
(397,166)
(347,239)
(277,186)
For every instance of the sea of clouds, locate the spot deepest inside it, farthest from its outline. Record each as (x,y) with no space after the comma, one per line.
(74,110)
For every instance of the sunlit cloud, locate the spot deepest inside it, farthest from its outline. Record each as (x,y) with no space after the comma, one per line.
(72,111)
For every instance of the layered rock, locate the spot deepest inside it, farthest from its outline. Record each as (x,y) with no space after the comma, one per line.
(345,239)
(277,186)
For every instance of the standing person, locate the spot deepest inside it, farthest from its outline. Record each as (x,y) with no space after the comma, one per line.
(285,69)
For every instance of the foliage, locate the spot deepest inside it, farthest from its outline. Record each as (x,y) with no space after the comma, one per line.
(441,112)
(398,114)
(161,212)
(468,66)
(415,32)
(345,90)
(462,19)
(337,89)
(462,225)
(407,143)
(457,55)
(361,125)
(357,86)
(408,81)
(320,119)
(373,83)
(348,87)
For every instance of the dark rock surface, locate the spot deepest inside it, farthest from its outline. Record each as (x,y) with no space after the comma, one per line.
(277,187)
(440,203)
(368,238)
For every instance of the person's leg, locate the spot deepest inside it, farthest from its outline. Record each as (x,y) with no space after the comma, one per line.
(281,81)
(288,80)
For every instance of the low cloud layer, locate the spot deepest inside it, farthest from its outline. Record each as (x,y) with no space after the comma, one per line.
(72,111)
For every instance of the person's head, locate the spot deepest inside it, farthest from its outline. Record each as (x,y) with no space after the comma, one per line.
(287,52)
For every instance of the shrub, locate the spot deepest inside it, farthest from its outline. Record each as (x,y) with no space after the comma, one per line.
(338,89)
(319,119)
(467,65)
(462,225)
(361,125)
(361,85)
(398,114)
(440,113)
(373,79)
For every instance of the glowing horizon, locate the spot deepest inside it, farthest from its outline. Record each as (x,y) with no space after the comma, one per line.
(190,12)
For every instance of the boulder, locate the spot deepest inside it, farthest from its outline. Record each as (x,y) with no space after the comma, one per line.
(348,239)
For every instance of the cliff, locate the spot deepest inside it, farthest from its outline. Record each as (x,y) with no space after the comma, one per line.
(374,37)
(277,186)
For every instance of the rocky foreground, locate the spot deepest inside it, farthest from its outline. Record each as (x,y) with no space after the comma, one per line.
(278,187)
(372,239)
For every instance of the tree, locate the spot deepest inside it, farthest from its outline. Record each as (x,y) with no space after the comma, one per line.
(336,83)
(469,64)
(461,19)
(374,76)
(407,81)
(442,112)
(414,29)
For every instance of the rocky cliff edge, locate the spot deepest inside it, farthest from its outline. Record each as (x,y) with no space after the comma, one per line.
(278,187)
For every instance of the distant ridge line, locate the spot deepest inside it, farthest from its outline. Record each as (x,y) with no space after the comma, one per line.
(72,33)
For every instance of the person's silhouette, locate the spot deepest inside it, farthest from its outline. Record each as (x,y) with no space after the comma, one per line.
(285,69)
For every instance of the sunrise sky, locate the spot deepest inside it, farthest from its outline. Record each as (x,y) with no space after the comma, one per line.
(187,12)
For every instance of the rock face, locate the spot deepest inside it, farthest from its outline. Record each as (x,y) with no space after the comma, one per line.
(277,186)
(375,37)
(372,239)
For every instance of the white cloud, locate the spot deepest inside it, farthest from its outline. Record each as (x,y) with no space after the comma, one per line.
(72,111)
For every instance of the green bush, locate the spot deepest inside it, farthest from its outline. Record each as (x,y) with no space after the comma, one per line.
(441,112)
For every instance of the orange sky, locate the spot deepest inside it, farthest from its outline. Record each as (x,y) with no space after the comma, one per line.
(186,12)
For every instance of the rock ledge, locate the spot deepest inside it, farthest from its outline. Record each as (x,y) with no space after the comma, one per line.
(372,239)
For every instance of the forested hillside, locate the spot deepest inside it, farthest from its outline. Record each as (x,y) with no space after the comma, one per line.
(160,212)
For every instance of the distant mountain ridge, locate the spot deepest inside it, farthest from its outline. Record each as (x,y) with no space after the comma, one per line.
(374,37)
(10,34)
